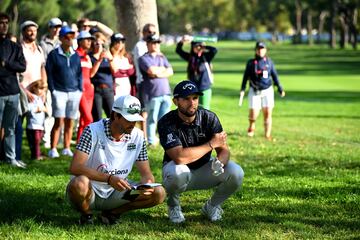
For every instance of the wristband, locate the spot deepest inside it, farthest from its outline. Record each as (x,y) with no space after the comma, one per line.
(210,145)
(108,180)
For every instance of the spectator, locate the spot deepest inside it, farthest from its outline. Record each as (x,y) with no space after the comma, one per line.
(102,80)
(36,117)
(188,136)
(122,64)
(139,50)
(155,69)
(85,24)
(65,84)
(103,159)
(12,61)
(51,40)
(199,67)
(260,70)
(48,42)
(35,71)
(84,43)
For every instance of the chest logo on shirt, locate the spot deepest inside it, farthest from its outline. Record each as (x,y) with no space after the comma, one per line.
(131,146)
(170,138)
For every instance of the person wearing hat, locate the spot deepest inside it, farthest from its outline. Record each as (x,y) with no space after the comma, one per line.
(35,71)
(123,67)
(156,70)
(63,68)
(262,73)
(140,49)
(84,40)
(12,61)
(104,158)
(188,135)
(51,40)
(199,68)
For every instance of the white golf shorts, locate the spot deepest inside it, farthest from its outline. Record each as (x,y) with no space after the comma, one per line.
(261,99)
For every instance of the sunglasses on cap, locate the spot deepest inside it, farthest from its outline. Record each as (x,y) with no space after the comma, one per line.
(131,110)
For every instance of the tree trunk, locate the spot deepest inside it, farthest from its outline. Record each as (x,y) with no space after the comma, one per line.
(132,16)
(322,17)
(344,36)
(332,30)
(310,27)
(297,37)
(353,28)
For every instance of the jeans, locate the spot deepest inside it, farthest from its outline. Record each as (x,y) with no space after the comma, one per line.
(156,108)
(103,99)
(8,118)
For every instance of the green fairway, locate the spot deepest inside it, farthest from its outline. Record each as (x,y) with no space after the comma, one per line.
(303,185)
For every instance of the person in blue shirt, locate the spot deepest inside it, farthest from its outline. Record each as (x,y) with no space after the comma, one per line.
(262,73)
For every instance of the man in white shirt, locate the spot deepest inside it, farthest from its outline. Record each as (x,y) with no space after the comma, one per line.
(104,158)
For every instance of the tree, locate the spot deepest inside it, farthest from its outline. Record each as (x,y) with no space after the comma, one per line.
(132,16)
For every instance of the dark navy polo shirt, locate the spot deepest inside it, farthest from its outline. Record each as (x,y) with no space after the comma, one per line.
(174,132)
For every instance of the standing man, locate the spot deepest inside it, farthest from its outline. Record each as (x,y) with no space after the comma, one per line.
(189,135)
(63,68)
(51,40)
(48,42)
(139,50)
(155,69)
(260,70)
(12,61)
(104,158)
(35,71)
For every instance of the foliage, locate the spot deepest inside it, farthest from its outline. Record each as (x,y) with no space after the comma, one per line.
(303,185)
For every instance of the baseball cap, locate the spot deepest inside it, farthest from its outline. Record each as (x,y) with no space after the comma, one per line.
(65,30)
(196,43)
(84,35)
(260,45)
(129,107)
(153,38)
(117,37)
(27,24)
(186,88)
(55,22)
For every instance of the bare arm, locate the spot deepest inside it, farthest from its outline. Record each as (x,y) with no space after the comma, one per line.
(145,171)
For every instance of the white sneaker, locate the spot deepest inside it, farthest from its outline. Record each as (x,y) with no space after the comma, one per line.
(175,214)
(212,212)
(53,153)
(22,163)
(67,152)
(16,163)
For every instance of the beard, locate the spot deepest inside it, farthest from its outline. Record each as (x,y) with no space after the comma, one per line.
(187,113)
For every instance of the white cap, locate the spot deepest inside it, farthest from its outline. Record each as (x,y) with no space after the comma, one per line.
(129,107)
(27,24)
(55,22)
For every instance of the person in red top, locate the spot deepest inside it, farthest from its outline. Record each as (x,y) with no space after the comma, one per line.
(88,70)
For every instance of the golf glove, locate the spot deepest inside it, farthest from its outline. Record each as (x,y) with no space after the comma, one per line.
(217,167)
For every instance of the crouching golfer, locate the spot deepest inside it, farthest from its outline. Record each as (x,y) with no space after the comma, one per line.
(188,136)
(103,159)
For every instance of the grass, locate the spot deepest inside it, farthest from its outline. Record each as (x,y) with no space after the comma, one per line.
(304,185)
